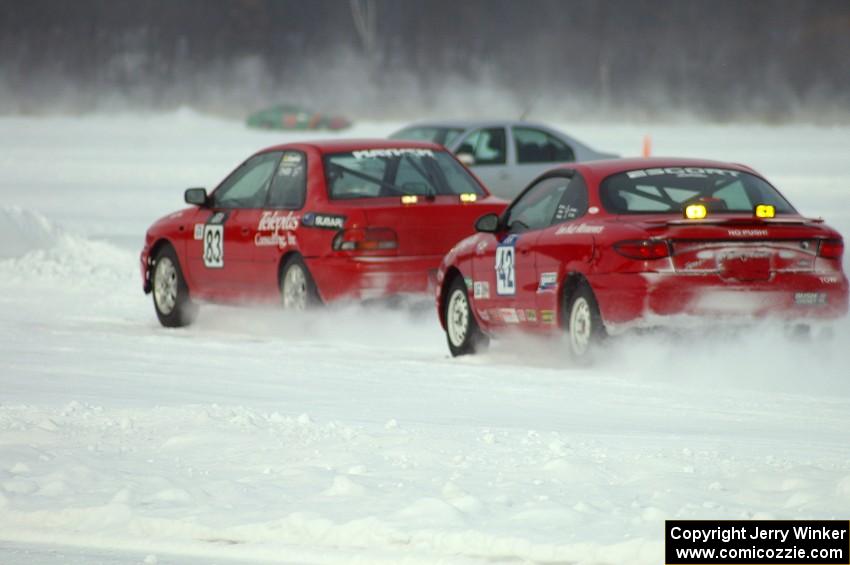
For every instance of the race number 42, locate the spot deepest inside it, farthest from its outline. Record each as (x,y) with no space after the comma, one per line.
(505,270)
(214,246)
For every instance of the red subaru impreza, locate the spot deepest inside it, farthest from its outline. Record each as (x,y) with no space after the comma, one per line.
(306,223)
(600,247)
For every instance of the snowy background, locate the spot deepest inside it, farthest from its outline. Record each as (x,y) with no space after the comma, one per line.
(349,435)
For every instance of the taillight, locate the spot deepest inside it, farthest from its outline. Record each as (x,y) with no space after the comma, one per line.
(365,239)
(643,249)
(831,248)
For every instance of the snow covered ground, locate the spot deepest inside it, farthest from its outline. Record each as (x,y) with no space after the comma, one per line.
(349,435)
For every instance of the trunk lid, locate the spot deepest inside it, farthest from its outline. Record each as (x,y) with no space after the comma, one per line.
(739,248)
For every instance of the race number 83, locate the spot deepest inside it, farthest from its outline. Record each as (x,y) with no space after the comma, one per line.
(214,246)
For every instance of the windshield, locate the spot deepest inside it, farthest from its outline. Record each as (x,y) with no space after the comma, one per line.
(434,134)
(373,173)
(671,189)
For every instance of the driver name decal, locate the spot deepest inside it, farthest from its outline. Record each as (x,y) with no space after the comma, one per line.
(579,228)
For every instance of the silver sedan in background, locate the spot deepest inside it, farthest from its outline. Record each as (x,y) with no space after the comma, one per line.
(506,155)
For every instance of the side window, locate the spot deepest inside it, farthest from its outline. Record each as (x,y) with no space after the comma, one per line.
(535,209)
(247,186)
(487,146)
(451,135)
(289,183)
(537,146)
(573,204)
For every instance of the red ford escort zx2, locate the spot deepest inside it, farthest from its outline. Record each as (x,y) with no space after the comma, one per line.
(601,247)
(306,223)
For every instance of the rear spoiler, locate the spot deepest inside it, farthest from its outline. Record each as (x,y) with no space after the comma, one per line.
(715,221)
(748,221)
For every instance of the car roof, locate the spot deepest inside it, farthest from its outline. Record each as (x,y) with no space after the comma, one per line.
(471,124)
(346,145)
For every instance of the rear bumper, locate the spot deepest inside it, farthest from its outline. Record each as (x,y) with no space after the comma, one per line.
(653,299)
(361,278)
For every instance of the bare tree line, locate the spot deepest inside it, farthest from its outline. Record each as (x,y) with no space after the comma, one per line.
(772,59)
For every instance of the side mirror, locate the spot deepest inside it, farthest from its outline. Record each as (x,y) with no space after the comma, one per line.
(488,223)
(196,196)
(466,158)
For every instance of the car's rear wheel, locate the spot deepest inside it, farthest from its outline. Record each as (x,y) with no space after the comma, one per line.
(462,331)
(297,289)
(171,300)
(584,325)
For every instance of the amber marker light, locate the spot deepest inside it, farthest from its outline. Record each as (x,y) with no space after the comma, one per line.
(468,197)
(696,211)
(765,211)
(409,199)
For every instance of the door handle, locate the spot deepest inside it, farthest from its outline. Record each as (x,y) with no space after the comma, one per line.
(246,231)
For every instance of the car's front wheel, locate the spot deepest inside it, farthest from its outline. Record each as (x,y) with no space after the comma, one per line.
(171,300)
(297,289)
(462,331)
(583,322)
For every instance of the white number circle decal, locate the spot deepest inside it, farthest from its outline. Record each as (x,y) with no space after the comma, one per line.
(214,246)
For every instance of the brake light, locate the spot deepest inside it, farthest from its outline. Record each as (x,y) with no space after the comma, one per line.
(365,239)
(831,248)
(643,249)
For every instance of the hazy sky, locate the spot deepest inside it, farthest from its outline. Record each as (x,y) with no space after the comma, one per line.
(770,60)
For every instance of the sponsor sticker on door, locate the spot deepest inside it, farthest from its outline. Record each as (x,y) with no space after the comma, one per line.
(481,290)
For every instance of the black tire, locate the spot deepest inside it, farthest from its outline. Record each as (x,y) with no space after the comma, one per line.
(583,323)
(297,289)
(171,300)
(463,334)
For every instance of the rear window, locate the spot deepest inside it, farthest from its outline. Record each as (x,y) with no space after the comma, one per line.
(671,189)
(375,173)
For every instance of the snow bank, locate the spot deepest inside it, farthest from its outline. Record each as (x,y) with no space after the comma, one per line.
(22,231)
(36,251)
